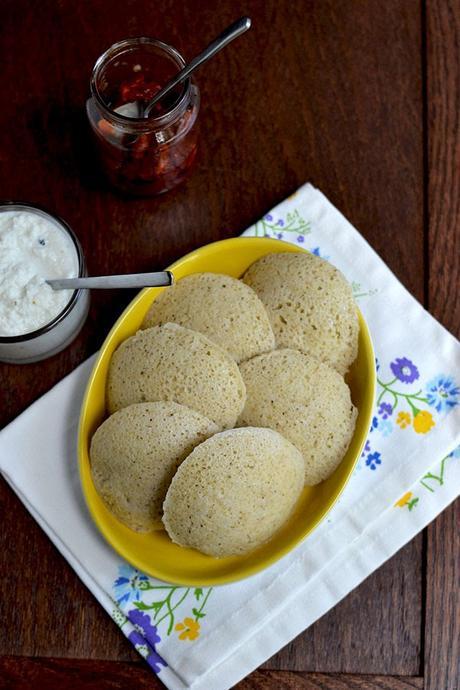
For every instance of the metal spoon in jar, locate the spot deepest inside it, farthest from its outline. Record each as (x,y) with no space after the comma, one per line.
(131,280)
(230,33)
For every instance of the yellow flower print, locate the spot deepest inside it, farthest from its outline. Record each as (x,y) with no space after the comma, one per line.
(407,500)
(403,419)
(423,422)
(404,500)
(190,629)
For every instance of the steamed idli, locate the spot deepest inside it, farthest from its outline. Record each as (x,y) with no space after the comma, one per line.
(135,453)
(233,492)
(310,305)
(174,363)
(224,309)
(306,401)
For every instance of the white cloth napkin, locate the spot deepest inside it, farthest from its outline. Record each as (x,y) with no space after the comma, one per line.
(202,637)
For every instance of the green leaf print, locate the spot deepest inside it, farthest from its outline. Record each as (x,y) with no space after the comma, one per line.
(197,613)
(164,603)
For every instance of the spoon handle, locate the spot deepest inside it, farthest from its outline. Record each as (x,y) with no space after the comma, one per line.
(229,34)
(133,280)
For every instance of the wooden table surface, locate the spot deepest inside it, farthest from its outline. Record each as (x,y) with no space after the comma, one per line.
(362,98)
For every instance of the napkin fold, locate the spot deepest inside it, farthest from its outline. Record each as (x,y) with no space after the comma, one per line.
(204,637)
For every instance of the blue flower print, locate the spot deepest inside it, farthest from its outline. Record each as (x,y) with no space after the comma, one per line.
(455,453)
(317,252)
(372,460)
(377,364)
(385,410)
(442,393)
(279,235)
(385,427)
(268,217)
(374,423)
(280,222)
(127,587)
(301,239)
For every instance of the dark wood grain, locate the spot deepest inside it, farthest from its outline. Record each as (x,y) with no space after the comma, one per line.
(327,91)
(442,627)
(442,616)
(443,149)
(67,674)
(19,673)
(283,680)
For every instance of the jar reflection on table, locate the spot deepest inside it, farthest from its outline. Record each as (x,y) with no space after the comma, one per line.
(142,156)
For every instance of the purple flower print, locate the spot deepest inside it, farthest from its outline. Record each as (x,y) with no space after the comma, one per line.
(268,217)
(280,223)
(366,449)
(136,639)
(373,459)
(301,239)
(147,640)
(385,410)
(142,621)
(279,235)
(153,659)
(404,370)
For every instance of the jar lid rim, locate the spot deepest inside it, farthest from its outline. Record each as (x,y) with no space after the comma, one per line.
(140,122)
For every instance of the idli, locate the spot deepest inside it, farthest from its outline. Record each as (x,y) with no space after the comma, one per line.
(224,309)
(233,492)
(174,363)
(306,401)
(310,305)
(135,453)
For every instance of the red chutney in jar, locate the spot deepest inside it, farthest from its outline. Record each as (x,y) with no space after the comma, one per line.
(142,156)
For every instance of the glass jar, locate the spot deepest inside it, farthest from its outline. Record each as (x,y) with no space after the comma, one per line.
(142,156)
(65,323)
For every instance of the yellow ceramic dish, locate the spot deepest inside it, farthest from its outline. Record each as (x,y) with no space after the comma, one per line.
(154,553)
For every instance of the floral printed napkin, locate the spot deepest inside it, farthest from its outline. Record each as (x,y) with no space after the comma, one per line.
(409,471)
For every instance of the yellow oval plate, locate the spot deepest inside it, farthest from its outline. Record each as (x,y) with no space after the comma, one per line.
(154,553)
